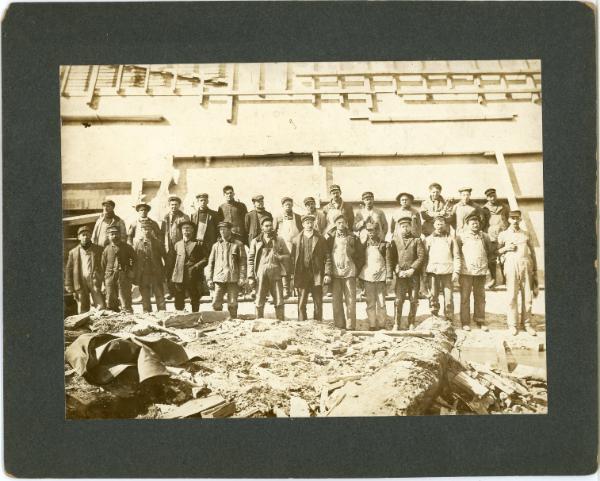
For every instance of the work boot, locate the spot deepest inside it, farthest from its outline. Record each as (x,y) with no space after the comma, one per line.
(233,311)
(260,312)
(395,327)
(280,313)
(483,327)
(530,330)
(512,330)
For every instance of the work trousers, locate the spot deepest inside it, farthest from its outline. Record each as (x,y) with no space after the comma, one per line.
(375,296)
(475,284)
(118,289)
(344,292)
(146,292)
(440,284)
(407,287)
(229,289)
(266,285)
(191,288)
(518,284)
(310,289)
(82,296)
(169,266)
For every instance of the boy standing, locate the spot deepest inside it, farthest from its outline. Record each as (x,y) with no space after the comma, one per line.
(373,276)
(118,263)
(149,268)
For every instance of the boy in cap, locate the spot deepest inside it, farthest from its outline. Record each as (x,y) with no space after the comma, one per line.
(369,214)
(268,263)
(171,234)
(205,222)
(476,251)
(134,232)
(464,208)
(405,211)
(226,271)
(373,275)
(149,268)
(497,221)
(433,207)
(83,274)
(233,212)
(287,226)
(520,268)
(336,207)
(253,218)
(347,261)
(311,267)
(118,265)
(405,257)
(443,267)
(191,257)
(107,219)
(320,217)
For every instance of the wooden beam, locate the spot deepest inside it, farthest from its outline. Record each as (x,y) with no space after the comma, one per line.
(63,83)
(505,176)
(92,85)
(119,79)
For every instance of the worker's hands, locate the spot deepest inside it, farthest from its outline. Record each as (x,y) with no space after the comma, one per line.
(409,272)
(326,279)
(455,277)
(398,271)
(211,285)
(510,247)
(252,282)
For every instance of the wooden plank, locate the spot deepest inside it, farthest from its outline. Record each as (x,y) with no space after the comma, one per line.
(92,85)
(299,408)
(195,407)
(465,382)
(65,78)
(323,400)
(501,359)
(394,333)
(221,411)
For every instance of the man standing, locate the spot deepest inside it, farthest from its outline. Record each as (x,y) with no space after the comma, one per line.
(287,226)
(369,214)
(171,234)
(311,266)
(463,209)
(407,211)
(405,257)
(253,218)
(520,267)
(191,258)
(118,265)
(83,274)
(135,230)
(268,262)
(320,218)
(205,222)
(433,207)
(443,267)
(107,219)
(336,207)
(226,272)
(373,275)
(476,250)
(497,215)
(234,212)
(347,262)
(149,268)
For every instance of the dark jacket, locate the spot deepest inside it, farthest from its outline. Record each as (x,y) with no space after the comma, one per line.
(255,253)
(170,231)
(347,212)
(118,257)
(157,261)
(353,249)
(236,214)
(404,254)
(320,260)
(73,278)
(189,268)
(252,223)
(212,232)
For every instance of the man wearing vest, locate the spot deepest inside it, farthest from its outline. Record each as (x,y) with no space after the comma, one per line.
(253,218)
(83,274)
(205,222)
(135,229)
(268,263)
(433,207)
(373,275)
(149,268)
(118,265)
(336,207)
(107,219)
(520,267)
(171,234)
(463,209)
(497,215)
(369,214)
(287,226)
(311,266)
(476,251)
(405,257)
(226,271)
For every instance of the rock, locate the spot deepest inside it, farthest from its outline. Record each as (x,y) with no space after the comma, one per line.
(182,320)
(260,326)
(78,321)
(276,338)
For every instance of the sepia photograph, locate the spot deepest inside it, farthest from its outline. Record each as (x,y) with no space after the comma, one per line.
(319,239)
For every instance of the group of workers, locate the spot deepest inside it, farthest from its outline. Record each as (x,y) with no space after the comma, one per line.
(333,251)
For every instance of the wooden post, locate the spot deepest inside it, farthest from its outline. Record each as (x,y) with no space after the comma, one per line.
(505,176)
(119,79)
(65,78)
(92,85)
(147,79)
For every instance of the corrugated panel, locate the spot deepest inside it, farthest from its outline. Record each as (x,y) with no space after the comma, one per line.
(133,76)
(79,78)
(107,76)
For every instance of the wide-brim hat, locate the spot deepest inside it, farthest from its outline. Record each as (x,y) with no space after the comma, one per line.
(489,191)
(142,204)
(410,196)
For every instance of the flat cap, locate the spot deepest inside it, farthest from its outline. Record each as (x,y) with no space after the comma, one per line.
(372,226)
(367,194)
(265,218)
(224,223)
(401,194)
(83,228)
(465,189)
(439,217)
(309,199)
(113,228)
(489,191)
(202,195)
(514,213)
(174,198)
(109,202)
(141,205)
(435,185)
(308,217)
(258,197)
(187,222)
(334,187)
(471,216)
(338,217)
(287,199)
(404,220)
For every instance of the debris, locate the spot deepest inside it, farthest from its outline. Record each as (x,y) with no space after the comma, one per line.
(214,316)
(221,411)
(78,321)
(195,407)
(527,372)
(248,413)
(299,408)
(415,333)
(280,413)
(182,320)
(466,383)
